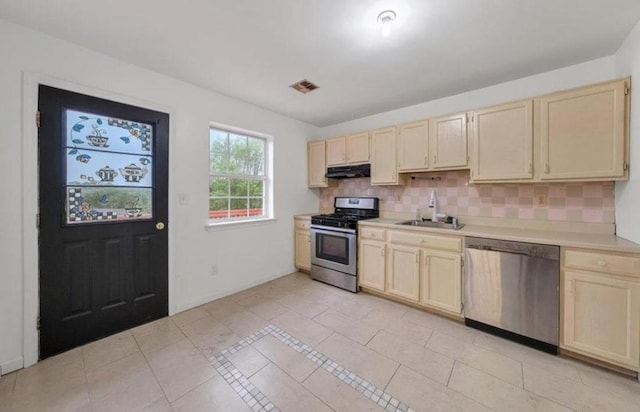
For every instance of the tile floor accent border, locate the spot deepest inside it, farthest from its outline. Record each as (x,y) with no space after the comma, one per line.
(251,395)
(259,402)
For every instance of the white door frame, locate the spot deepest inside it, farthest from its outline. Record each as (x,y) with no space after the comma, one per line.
(30,267)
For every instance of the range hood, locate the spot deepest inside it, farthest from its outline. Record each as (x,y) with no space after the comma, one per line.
(344,172)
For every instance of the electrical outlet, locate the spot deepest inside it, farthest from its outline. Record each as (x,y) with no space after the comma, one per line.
(541,200)
(214,270)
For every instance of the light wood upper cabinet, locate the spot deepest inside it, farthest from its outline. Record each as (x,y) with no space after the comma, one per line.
(582,133)
(404,272)
(503,142)
(384,169)
(358,148)
(316,163)
(351,149)
(448,141)
(413,146)
(336,151)
(441,281)
(371,264)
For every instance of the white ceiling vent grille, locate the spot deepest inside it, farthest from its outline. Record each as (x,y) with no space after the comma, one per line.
(304,86)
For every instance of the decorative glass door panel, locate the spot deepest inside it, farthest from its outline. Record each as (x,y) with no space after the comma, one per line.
(109,169)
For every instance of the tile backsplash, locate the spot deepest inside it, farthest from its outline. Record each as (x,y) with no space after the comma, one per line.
(573,202)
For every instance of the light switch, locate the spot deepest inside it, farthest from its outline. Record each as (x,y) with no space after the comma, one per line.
(183,199)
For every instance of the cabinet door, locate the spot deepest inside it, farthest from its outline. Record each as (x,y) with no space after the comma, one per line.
(413,146)
(602,317)
(448,141)
(336,151)
(372,264)
(441,281)
(404,272)
(316,163)
(358,148)
(303,249)
(503,142)
(384,169)
(582,133)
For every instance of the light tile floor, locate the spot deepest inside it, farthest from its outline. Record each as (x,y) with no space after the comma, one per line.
(294,344)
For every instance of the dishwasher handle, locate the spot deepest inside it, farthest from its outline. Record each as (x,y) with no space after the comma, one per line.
(518,248)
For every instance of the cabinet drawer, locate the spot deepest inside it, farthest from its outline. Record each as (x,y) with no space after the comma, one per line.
(453,244)
(602,262)
(373,234)
(303,224)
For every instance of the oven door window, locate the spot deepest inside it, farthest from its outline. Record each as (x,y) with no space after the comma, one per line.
(332,248)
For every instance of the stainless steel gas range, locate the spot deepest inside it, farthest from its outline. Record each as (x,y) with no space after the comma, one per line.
(334,250)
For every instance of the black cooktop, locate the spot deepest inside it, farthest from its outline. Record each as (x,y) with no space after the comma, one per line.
(348,211)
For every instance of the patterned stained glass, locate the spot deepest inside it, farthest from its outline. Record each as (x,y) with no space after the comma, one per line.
(108,167)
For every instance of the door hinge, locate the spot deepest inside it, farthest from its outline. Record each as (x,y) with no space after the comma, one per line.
(627,90)
(38,119)
(38,220)
(38,323)
(625,166)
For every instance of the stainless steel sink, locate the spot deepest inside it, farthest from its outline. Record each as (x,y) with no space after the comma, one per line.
(429,223)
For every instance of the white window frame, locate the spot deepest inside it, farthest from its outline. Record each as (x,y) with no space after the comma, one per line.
(267,179)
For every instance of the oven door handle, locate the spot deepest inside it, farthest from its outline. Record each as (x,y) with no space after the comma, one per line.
(335,232)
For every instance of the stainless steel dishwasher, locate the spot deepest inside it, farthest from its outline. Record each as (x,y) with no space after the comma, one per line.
(512,289)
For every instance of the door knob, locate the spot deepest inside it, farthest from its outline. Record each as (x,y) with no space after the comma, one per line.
(159,225)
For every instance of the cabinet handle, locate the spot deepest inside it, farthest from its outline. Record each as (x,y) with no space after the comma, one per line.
(530,168)
(435,159)
(381,251)
(547,169)
(426,160)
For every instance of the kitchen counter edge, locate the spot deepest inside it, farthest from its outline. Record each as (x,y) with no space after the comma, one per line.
(567,239)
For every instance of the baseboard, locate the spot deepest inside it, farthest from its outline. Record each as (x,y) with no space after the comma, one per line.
(206,299)
(11,366)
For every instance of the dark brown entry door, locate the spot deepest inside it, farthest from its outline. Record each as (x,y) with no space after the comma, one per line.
(103,218)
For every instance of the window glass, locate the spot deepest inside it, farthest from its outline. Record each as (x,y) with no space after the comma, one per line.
(238,182)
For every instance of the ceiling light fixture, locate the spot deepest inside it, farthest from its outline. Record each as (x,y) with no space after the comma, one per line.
(385,19)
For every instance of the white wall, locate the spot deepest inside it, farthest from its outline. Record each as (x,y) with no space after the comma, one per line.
(572,76)
(628,193)
(245,256)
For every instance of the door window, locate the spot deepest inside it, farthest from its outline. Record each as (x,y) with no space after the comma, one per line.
(108,169)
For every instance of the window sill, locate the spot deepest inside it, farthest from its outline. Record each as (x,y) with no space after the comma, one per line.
(212,227)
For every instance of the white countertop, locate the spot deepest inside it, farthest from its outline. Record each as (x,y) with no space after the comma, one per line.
(570,239)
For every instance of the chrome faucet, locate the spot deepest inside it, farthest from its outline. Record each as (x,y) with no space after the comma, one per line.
(433,204)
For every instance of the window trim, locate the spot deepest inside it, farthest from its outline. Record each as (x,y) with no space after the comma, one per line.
(269,213)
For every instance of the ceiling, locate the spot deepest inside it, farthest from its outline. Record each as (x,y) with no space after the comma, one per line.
(254,49)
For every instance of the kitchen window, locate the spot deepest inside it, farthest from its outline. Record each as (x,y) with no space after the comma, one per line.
(240,175)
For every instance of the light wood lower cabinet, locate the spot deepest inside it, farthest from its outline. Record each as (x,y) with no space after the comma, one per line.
(601,310)
(409,267)
(404,272)
(302,244)
(371,264)
(441,280)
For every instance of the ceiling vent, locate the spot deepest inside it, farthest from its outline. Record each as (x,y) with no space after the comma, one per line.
(304,86)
